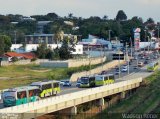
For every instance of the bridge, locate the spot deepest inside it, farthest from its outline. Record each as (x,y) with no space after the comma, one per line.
(71,100)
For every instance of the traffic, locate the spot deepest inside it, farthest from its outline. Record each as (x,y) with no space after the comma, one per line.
(44,89)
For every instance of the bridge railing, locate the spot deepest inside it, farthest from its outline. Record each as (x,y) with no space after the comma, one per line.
(67,97)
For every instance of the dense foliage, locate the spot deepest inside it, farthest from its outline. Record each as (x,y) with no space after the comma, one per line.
(120,27)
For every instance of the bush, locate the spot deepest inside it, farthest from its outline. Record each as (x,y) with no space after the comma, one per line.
(14,59)
(34,59)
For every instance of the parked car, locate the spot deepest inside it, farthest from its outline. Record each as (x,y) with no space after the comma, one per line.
(67,83)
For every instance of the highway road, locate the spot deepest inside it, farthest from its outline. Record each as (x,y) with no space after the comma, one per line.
(140,72)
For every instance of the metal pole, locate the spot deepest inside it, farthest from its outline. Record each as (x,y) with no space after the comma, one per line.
(131,47)
(119,64)
(145,39)
(15,36)
(148,43)
(101,57)
(109,36)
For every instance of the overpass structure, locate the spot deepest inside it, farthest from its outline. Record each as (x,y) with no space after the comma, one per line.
(71,100)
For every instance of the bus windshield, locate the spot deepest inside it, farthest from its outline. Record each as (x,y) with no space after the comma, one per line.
(9,95)
(85,80)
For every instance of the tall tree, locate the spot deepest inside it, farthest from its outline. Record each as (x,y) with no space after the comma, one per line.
(5,44)
(121,15)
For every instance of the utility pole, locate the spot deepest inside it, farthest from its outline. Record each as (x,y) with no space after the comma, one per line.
(131,46)
(148,43)
(127,58)
(145,38)
(15,36)
(109,35)
(119,64)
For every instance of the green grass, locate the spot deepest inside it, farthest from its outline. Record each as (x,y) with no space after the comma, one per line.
(145,100)
(18,75)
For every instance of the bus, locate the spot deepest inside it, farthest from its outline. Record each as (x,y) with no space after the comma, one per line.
(48,88)
(152,66)
(101,80)
(87,81)
(20,95)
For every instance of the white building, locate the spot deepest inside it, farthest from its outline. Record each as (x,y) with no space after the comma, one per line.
(95,41)
(33,47)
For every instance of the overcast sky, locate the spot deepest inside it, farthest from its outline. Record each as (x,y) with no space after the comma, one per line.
(83,8)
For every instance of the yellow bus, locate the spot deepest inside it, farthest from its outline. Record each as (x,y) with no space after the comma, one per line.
(101,80)
(48,88)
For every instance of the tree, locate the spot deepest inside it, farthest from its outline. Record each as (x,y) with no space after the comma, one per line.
(58,36)
(41,51)
(66,48)
(5,44)
(1,46)
(70,15)
(52,15)
(121,16)
(105,17)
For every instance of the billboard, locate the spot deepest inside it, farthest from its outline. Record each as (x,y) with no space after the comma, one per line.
(137,38)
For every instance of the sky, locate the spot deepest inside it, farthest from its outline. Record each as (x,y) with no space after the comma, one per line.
(83,8)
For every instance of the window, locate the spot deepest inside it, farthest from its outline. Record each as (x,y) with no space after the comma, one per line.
(56,85)
(111,77)
(105,78)
(34,92)
(21,94)
(46,86)
(91,79)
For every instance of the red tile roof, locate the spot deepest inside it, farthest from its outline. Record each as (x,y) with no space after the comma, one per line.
(25,55)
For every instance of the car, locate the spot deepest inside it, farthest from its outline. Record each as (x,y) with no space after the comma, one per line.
(124,69)
(67,83)
(140,64)
(155,57)
(103,72)
(78,83)
(124,66)
(145,62)
(148,58)
(62,82)
(117,72)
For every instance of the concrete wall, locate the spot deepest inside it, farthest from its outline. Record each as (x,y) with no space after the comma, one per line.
(52,104)
(72,63)
(22,62)
(106,66)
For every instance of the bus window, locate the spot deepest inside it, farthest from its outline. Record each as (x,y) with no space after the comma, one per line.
(31,93)
(55,85)
(91,79)
(21,94)
(111,77)
(46,86)
(105,78)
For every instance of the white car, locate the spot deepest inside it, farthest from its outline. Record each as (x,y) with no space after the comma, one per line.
(124,69)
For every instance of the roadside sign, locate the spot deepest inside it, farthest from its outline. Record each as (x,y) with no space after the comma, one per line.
(118,56)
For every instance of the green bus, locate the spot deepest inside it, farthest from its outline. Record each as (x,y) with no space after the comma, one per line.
(87,81)
(20,95)
(101,80)
(152,66)
(48,88)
